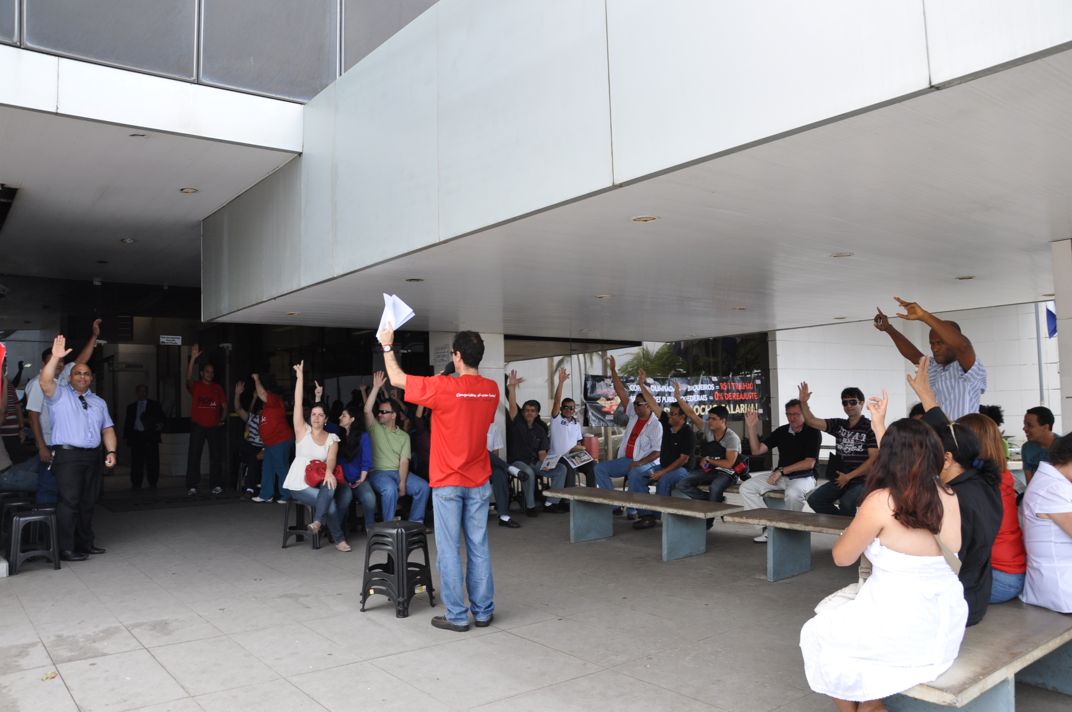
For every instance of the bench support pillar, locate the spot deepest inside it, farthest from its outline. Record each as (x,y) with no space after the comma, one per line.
(774,502)
(683,536)
(1052,672)
(788,553)
(999,698)
(590,521)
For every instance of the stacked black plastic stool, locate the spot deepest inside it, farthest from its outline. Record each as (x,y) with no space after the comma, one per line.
(48,549)
(397,578)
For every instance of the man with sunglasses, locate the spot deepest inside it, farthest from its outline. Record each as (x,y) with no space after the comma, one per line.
(566,437)
(391,454)
(80,422)
(638,453)
(855,451)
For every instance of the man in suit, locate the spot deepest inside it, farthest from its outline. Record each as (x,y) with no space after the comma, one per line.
(141,431)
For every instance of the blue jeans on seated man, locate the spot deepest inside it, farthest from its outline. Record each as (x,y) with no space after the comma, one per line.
(385,482)
(823,498)
(529,484)
(1006,586)
(462,513)
(716,480)
(664,486)
(557,474)
(326,509)
(621,468)
(21,477)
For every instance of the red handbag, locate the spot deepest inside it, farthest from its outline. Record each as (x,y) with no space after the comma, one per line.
(316,471)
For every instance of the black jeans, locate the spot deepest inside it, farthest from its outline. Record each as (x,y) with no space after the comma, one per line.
(144,459)
(823,499)
(198,436)
(78,474)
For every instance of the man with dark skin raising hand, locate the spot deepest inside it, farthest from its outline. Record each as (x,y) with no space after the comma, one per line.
(956,375)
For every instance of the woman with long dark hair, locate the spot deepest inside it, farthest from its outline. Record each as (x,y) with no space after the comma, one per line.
(355,456)
(906,622)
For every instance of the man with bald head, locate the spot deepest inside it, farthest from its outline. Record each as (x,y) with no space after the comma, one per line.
(956,375)
(80,423)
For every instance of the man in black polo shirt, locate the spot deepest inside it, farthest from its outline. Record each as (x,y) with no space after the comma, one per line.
(527,440)
(798,452)
(674,455)
(855,449)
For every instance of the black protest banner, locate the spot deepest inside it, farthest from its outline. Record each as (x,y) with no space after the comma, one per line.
(738,392)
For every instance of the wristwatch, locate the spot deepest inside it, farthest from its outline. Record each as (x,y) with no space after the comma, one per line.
(387,348)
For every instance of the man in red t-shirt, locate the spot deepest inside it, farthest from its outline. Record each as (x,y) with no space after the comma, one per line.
(206,423)
(459,469)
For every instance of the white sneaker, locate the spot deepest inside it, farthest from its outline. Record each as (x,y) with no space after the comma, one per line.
(258,499)
(280,501)
(217,490)
(761,539)
(191,492)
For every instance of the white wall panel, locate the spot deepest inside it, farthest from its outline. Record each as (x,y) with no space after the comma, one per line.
(691,78)
(386,149)
(29,79)
(522,109)
(965,36)
(318,197)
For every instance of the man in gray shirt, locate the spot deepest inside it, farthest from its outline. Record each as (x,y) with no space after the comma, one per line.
(719,454)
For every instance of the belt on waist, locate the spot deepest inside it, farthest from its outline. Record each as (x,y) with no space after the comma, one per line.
(77,449)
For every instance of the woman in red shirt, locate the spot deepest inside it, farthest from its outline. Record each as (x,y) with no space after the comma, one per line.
(1008,557)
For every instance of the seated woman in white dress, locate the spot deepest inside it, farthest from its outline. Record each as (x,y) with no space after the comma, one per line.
(1048,531)
(906,622)
(312,442)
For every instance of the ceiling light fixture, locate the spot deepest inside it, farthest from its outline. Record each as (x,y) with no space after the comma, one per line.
(602,296)
(136,135)
(965,277)
(1049,294)
(740,308)
(838,255)
(294,313)
(645,218)
(839,318)
(127,240)
(414,280)
(102,262)
(188,191)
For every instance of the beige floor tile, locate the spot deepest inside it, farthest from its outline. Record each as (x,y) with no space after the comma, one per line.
(32,690)
(338,689)
(211,665)
(276,696)
(119,682)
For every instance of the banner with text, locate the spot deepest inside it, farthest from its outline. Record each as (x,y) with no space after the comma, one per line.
(738,392)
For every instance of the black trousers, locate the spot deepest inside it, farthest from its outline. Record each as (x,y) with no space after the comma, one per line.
(78,475)
(252,479)
(198,437)
(144,459)
(824,499)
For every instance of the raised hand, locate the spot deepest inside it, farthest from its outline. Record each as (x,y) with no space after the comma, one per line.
(239,388)
(877,405)
(299,369)
(256,377)
(318,391)
(677,390)
(563,376)
(386,335)
(642,376)
(513,380)
(920,380)
(59,347)
(882,322)
(751,419)
(803,393)
(195,351)
(96,328)
(912,310)
(378,379)
(611,363)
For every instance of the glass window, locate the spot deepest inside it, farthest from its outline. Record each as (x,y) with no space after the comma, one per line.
(369,23)
(282,48)
(7,21)
(157,37)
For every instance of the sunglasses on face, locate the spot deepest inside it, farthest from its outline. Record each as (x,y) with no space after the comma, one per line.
(567,407)
(384,412)
(850,401)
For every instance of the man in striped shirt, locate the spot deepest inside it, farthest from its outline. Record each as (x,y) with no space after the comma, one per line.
(956,375)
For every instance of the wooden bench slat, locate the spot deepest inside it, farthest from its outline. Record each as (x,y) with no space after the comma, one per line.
(698,508)
(785,519)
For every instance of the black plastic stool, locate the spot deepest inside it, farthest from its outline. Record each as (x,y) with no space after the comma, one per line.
(32,518)
(9,507)
(397,578)
(298,529)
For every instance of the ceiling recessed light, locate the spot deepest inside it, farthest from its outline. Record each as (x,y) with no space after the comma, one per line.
(842,254)
(188,191)
(102,262)
(294,313)
(1049,294)
(414,280)
(127,240)
(136,135)
(965,277)
(645,218)
(740,308)
(839,318)
(602,296)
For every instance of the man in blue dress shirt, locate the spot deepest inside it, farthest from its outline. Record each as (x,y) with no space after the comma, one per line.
(80,421)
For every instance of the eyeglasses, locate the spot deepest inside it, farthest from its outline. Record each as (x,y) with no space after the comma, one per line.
(384,412)
(850,401)
(85,405)
(567,407)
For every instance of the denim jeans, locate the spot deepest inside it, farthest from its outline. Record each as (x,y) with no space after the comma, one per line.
(620,468)
(1005,586)
(367,497)
(639,482)
(325,507)
(716,481)
(385,482)
(557,474)
(21,477)
(847,498)
(274,470)
(529,485)
(462,512)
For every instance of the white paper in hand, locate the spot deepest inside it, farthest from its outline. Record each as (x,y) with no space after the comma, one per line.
(395,311)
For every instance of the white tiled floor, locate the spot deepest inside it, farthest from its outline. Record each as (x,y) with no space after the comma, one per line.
(198,609)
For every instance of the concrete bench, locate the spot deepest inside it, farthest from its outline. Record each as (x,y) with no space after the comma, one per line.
(789,536)
(1014,642)
(684,526)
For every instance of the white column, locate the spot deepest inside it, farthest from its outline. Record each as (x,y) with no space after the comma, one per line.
(1061,252)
